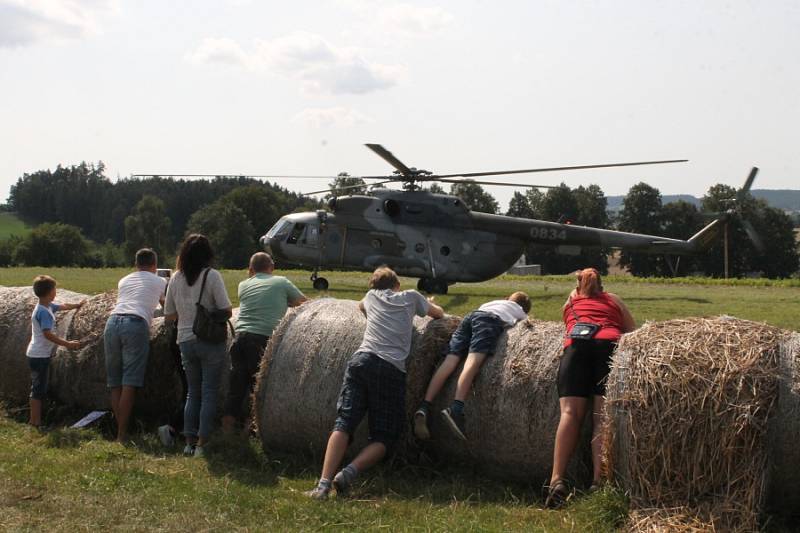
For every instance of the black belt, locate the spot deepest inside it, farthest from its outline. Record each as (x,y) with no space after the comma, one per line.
(248,334)
(129,315)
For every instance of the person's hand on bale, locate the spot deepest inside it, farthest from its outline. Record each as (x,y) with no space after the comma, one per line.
(73,345)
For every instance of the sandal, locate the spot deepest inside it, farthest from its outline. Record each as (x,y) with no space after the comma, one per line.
(557,494)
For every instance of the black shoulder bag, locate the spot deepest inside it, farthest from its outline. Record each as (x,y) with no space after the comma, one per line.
(582,331)
(209,326)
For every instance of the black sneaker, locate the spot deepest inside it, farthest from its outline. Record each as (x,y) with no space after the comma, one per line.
(558,494)
(421,430)
(455,422)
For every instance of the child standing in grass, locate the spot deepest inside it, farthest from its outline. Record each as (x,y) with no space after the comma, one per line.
(475,339)
(375,380)
(44,340)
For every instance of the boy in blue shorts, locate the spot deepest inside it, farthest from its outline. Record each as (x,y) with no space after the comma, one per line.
(43,341)
(475,339)
(375,380)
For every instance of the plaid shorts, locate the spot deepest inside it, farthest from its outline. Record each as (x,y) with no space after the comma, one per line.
(375,386)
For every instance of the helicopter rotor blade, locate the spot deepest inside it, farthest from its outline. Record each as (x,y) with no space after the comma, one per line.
(747,184)
(389,157)
(504,184)
(554,169)
(350,187)
(257,176)
(755,238)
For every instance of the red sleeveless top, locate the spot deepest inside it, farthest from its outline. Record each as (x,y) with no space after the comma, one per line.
(599,309)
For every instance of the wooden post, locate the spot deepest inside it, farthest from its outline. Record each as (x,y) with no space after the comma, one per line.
(726,250)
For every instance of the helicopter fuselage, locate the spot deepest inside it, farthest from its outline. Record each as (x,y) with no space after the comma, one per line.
(436,237)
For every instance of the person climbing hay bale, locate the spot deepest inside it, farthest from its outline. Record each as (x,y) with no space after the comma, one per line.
(16,306)
(696,408)
(79,377)
(514,412)
(301,373)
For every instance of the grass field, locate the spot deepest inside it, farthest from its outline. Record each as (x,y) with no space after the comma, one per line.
(11,225)
(70,480)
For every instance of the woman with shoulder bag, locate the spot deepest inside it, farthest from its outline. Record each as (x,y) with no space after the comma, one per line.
(196,297)
(594,320)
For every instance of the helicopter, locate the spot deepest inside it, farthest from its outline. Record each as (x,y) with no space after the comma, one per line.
(438,239)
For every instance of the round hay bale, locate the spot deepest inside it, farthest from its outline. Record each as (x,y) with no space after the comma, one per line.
(690,403)
(78,378)
(16,306)
(302,371)
(512,412)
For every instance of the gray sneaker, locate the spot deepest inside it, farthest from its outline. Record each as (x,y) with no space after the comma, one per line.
(455,422)
(318,493)
(188,450)
(421,430)
(341,482)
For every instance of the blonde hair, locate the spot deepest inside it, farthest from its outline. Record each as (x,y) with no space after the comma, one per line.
(589,282)
(384,278)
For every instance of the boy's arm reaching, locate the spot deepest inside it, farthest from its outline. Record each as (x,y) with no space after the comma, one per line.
(67,307)
(55,339)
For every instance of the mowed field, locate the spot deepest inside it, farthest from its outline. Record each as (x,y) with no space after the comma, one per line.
(69,480)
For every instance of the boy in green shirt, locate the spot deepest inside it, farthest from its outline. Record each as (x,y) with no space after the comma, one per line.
(263,300)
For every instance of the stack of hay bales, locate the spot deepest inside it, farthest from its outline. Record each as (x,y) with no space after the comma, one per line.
(302,371)
(78,377)
(512,413)
(16,307)
(692,407)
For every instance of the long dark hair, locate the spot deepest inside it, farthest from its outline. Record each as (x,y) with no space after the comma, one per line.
(195,255)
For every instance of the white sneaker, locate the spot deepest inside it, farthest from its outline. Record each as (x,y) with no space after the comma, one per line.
(167,435)
(198,451)
(189,449)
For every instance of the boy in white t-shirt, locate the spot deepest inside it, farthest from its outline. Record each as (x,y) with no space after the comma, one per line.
(44,340)
(475,339)
(127,335)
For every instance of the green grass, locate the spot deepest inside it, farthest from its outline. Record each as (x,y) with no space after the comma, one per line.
(71,480)
(774,302)
(11,225)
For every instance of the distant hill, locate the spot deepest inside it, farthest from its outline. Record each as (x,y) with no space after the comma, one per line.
(10,225)
(787,199)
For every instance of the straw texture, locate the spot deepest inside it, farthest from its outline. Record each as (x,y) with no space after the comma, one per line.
(690,402)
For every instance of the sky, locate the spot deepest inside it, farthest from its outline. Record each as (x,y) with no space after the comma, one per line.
(268,87)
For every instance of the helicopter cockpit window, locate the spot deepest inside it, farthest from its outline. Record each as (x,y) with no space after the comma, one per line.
(297,231)
(280,228)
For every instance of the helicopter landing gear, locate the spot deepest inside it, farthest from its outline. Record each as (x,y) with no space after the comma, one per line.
(432,286)
(320,284)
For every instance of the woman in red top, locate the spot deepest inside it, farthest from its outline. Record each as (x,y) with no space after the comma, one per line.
(582,373)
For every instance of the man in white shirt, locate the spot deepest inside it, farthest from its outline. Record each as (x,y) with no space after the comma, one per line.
(127,335)
(475,339)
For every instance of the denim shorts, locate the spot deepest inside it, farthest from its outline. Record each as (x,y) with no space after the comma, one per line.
(127,345)
(375,386)
(39,370)
(477,333)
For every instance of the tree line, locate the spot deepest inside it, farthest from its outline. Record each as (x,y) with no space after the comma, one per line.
(85,219)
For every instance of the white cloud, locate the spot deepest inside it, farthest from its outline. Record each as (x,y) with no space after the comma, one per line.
(389,17)
(219,51)
(306,57)
(325,117)
(25,22)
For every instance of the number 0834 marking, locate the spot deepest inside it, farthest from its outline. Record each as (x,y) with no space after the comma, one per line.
(551,234)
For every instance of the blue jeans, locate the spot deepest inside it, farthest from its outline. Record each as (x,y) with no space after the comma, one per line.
(202,363)
(127,345)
